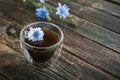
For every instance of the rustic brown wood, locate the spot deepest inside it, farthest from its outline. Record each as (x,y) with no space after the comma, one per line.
(68,40)
(102,5)
(4,77)
(92,15)
(26,71)
(93,53)
(83,57)
(15,66)
(67,70)
(57,69)
(84,28)
(115,1)
(79,68)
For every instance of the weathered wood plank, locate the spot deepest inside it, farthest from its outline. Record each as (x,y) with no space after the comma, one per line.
(99,56)
(14,65)
(96,33)
(92,15)
(101,5)
(84,28)
(51,72)
(76,43)
(2,28)
(60,71)
(56,69)
(79,68)
(18,68)
(71,64)
(15,14)
(4,77)
(22,72)
(115,1)
(11,59)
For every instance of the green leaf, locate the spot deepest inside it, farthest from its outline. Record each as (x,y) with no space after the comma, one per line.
(50,9)
(39,4)
(48,18)
(70,16)
(35,4)
(74,22)
(24,0)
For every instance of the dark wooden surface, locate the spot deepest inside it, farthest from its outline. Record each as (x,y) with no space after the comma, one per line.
(91,50)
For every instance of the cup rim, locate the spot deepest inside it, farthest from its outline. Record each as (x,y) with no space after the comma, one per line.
(52,46)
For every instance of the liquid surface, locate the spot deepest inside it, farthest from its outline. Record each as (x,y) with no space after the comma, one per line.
(50,38)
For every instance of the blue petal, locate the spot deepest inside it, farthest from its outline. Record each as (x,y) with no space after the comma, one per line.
(42,13)
(62,11)
(42,1)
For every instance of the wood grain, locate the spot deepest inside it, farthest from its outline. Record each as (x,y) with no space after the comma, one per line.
(4,77)
(90,52)
(93,31)
(15,66)
(65,67)
(84,28)
(115,1)
(92,15)
(57,70)
(103,6)
(79,68)
(101,29)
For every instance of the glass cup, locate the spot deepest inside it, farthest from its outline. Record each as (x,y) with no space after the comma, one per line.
(42,56)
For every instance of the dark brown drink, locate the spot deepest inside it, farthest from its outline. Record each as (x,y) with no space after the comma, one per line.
(42,55)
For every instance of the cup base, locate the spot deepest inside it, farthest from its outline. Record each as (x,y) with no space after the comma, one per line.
(42,65)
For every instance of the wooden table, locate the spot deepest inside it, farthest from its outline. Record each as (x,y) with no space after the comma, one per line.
(91,50)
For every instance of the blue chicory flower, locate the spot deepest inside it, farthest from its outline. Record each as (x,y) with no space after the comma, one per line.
(42,1)
(35,34)
(63,11)
(42,12)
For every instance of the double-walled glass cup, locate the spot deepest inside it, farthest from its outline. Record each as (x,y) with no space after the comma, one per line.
(42,56)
